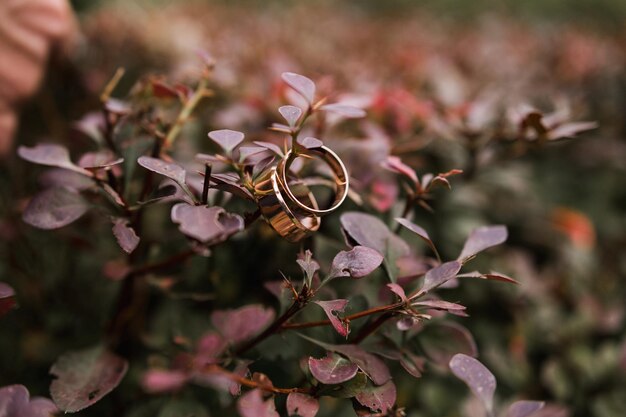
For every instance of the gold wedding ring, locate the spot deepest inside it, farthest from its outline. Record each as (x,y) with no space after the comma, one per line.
(290,208)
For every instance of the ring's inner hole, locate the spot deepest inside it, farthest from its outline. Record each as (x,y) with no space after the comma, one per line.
(315,174)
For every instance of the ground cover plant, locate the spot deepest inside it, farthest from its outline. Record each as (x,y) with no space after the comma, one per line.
(470,241)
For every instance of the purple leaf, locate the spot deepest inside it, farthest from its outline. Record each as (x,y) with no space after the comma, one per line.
(398,290)
(331,308)
(482,238)
(395,164)
(380,398)
(50,155)
(7,298)
(524,408)
(84,377)
(15,401)
(156,381)
(302,405)
(442,341)
(252,154)
(304,86)
(252,404)
(440,275)
(59,177)
(494,276)
(344,110)
(271,146)
(167,169)
(291,114)
(243,323)
(413,364)
(477,377)
(54,208)
(206,224)
(310,143)
(332,369)
(453,308)
(308,264)
(356,263)
(569,130)
(372,365)
(102,159)
(226,138)
(370,231)
(419,232)
(125,235)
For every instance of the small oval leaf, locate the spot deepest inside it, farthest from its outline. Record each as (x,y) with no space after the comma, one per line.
(167,169)
(243,323)
(51,155)
(378,398)
(15,401)
(356,263)
(227,139)
(302,405)
(477,377)
(301,84)
(483,238)
(125,235)
(291,114)
(84,377)
(331,308)
(54,208)
(332,369)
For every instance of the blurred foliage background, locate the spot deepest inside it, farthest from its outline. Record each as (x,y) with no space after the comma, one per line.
(559,336)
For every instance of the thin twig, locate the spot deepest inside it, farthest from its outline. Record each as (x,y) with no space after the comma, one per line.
(254,384)
(365,313)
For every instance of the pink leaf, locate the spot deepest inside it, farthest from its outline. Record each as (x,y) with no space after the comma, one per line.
(163,380)
(419,232)
(477,377)
(331,308)
(291,114)
(54,208)
(15,401)
(304,86)
(380,398)
(569,130)
(302,405)
(310,143)
(483,238)
(440,275)
(208,349)
(125,235)
(439,305)
(524,408)
(332,369)
(227,139)
(271,146)
(356,263)
(308,264)
(167,169)
(372,365)
(252,404)
(50,155)
(243,323)
(84,377)
(206,224)
(7,298)
(398,290)
(395,164)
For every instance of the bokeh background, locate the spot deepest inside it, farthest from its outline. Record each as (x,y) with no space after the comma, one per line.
(559,336)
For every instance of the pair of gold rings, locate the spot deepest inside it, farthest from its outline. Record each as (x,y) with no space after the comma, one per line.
(287,204)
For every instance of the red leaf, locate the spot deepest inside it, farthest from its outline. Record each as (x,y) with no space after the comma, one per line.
(331,308)
(7,298)
(373,366)
(302,405)
(395,164)
(332,369)
(398,290)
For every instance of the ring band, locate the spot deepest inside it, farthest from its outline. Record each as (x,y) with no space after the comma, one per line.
(292,224)
(336,165)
